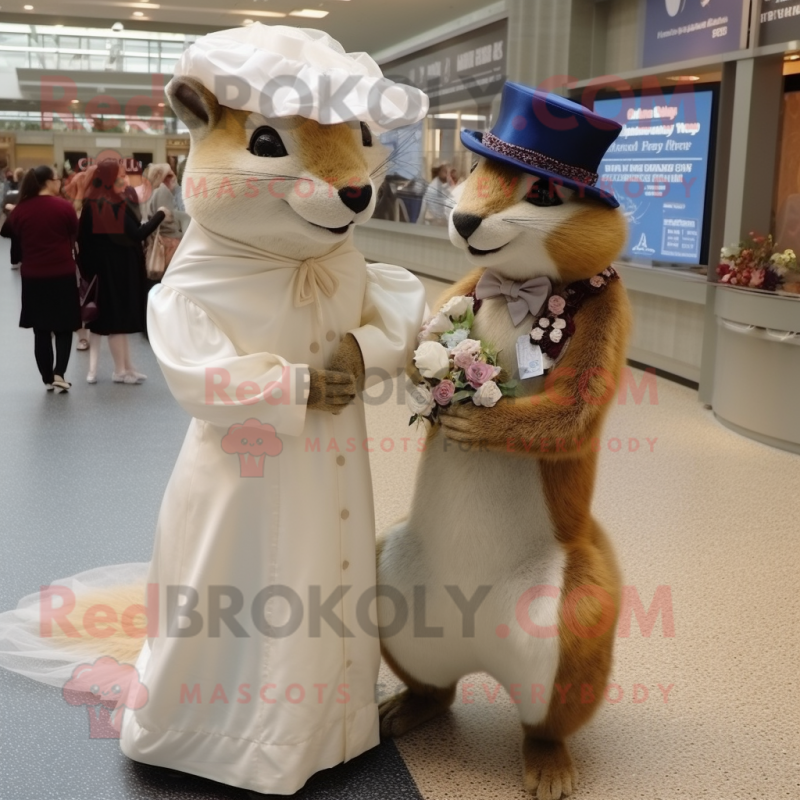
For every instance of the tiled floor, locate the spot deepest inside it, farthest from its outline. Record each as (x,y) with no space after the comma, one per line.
(689,505)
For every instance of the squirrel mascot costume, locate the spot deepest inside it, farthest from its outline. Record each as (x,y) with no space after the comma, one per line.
(264,325)
(517,578)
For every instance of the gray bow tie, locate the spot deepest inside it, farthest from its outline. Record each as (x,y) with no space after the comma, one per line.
(523,297)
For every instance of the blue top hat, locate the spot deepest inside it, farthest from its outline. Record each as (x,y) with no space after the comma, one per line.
(548,136)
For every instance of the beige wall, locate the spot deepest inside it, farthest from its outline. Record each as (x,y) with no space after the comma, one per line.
(34,155)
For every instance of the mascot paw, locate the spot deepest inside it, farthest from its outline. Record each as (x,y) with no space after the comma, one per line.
(348,359)
(331,391)
(549,774)
(404,711)
(464,423)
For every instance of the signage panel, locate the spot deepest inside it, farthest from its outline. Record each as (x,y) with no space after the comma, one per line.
(780,21)
(680,30)
(658,170)
(467,67)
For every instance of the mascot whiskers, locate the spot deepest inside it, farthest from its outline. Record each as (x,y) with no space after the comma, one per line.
(519,580)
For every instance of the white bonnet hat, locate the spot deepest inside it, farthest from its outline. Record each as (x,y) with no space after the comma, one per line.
(281,71)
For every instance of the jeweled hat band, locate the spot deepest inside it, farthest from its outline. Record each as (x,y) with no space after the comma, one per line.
(539,160)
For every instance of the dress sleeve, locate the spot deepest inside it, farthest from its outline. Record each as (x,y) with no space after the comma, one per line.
(391,317)
(211,379)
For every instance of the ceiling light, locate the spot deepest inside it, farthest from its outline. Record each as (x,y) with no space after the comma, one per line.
(247,22)
(258,13)
(684,78)
(138,13)
(28,8)
(75,102)
(313,13)
(793,57)
(162,105)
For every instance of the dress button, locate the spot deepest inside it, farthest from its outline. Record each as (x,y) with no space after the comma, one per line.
(340,460)
(330,336)
(345,564)
(314,347)
(345,514)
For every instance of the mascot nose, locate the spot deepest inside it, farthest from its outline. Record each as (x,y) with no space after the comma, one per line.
(356,198)
(466,224)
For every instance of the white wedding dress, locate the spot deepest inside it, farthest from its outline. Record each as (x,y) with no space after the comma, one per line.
(252,698)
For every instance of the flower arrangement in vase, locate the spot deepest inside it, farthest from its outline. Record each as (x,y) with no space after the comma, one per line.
(755,264)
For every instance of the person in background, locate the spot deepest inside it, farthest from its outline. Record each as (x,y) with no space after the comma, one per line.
(437,202)
(45,226)
(75,192)
(10,200)
(163,187)
(3,182)
(110,246)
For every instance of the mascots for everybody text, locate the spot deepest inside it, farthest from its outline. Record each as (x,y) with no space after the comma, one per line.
(515,371)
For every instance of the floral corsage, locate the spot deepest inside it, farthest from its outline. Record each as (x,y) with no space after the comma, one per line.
(556,327)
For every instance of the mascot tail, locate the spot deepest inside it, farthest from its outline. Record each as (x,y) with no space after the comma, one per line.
(76,621)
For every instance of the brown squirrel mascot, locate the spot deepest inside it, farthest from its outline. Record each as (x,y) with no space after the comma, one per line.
(518,579)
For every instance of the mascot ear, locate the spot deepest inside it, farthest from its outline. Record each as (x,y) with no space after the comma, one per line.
(195,106)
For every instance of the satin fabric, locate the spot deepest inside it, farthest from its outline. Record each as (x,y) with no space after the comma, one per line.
(227,701)
(523,297)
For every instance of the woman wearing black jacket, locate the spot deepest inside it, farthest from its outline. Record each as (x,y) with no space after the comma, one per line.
(110,242)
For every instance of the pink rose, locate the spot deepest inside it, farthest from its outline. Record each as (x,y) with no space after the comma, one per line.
(556,305)
(444,392)
(479,373)
(597,281)
(466,353)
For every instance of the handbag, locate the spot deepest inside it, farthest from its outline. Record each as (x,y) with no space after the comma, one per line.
(156,257)
(88,299)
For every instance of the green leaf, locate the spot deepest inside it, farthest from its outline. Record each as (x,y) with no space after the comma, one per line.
(459,396)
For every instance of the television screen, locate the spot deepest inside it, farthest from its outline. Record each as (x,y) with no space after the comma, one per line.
(658,169)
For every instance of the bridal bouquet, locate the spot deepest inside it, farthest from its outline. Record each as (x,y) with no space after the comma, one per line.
(455,367)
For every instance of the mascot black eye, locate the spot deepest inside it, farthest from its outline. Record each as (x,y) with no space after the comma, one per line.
(543,194)
(366,135)
(267,143)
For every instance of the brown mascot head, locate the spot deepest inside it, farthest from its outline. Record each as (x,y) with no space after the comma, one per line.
(531,205)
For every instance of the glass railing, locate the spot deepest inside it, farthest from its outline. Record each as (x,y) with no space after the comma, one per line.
(54,47)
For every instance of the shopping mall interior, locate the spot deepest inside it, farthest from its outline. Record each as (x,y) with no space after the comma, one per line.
(672,126)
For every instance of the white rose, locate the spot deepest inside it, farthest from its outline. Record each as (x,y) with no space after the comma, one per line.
(469,347)
(439,323)
(488,395)
(560,324)
(536,334)
(544,322)
(432,360)
(731,252)
(555,336)
(456,307)
(420,400)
